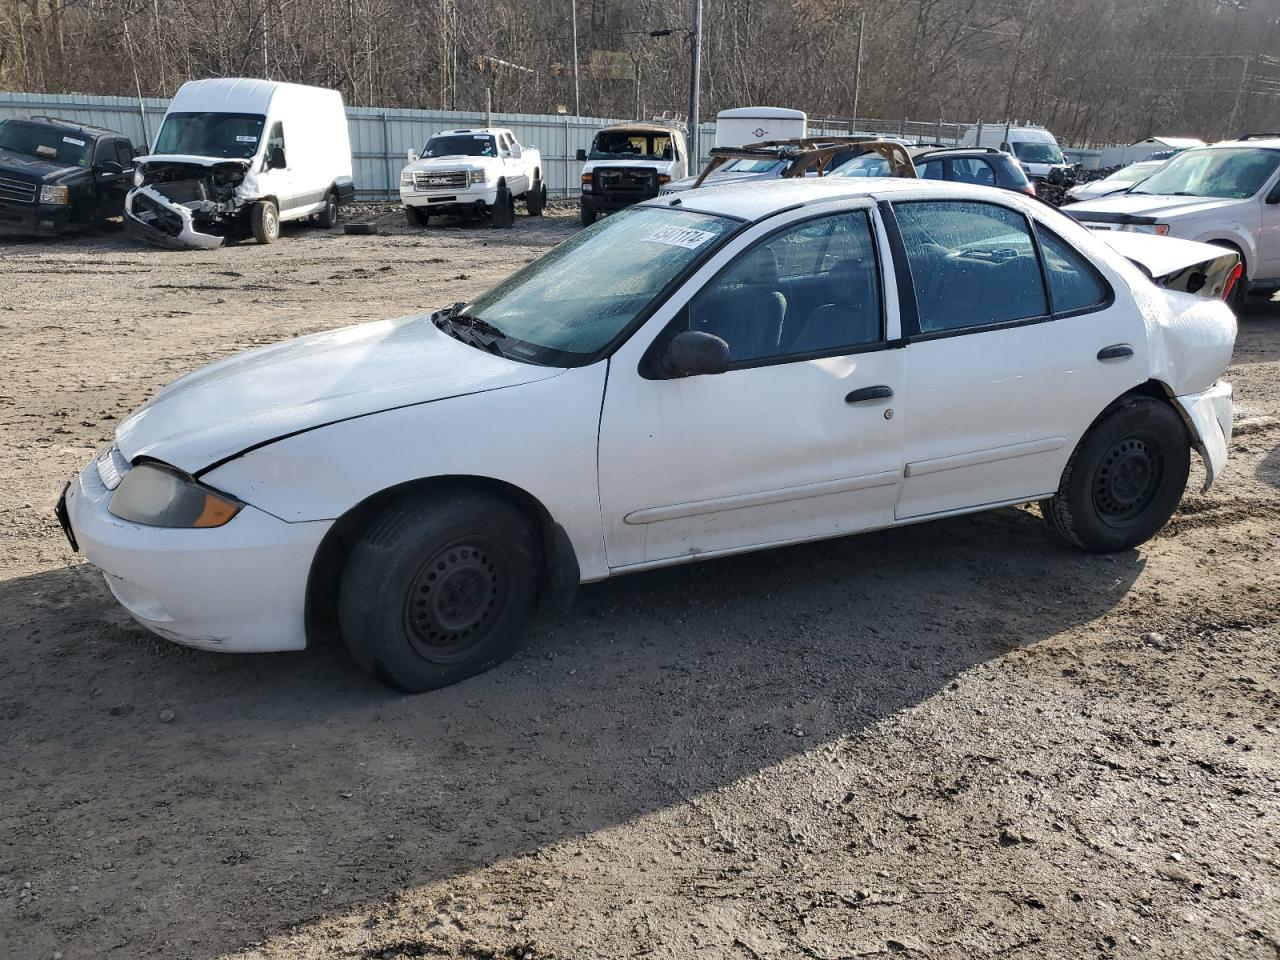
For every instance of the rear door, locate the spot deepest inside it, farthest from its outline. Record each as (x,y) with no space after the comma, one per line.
(1015,344)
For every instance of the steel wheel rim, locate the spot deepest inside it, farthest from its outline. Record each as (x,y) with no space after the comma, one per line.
(456,594)
(1128,478)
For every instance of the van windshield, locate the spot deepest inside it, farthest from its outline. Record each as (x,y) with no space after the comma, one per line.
(64,145)
(1037,151)
(1230,174)
(211,134)
(631,145)
(564,308)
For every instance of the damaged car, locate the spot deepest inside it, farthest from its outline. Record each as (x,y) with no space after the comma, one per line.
(235,158)
(728,370)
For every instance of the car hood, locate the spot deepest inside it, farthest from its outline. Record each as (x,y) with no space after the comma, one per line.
(458,161)
(34,167)
(1146,205)
(192,158)
(252,398)
(1099,188)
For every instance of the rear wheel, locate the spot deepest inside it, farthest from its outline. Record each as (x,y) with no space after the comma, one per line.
(504,207)
(1124,480)
(440,588)
(329,215)
(535,201)
(264,219)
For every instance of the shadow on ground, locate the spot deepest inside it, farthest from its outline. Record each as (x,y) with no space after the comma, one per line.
(288,786)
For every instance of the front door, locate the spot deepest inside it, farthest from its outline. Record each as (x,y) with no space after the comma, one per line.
(279,181)
(800,438)
(1016,345)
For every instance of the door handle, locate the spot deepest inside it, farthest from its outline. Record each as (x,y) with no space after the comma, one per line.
(869,393)
(1117,351)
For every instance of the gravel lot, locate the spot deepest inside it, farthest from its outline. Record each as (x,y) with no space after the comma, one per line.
(952,740)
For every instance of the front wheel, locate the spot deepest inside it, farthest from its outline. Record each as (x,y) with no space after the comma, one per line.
(586,215)
(264,219)
(416,216)
(1124,480)
(504,207)
(439,588)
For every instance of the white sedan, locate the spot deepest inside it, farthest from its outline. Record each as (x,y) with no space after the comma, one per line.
(727,370)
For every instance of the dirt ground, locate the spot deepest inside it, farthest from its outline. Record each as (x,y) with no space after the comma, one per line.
(957,740)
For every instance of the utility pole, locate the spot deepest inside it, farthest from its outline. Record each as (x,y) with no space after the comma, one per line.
(573,14)
(1232,128)
(857,69)
(695,83)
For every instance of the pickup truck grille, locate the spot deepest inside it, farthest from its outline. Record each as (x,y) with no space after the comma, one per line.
(625,183)
(17,191)
(440,180)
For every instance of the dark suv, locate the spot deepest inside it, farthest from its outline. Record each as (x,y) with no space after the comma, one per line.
(981,165)
(56,175)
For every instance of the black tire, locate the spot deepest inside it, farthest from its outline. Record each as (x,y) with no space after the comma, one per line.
(586,215)
(439,588)
(535,201)
(416,217)
(1124,480)
(328,217)
(264,220)
(504,207)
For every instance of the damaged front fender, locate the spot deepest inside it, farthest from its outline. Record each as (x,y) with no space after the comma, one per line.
(156,219)
(1208,415)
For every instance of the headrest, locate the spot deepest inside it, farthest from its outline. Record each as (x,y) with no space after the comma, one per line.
(761,266)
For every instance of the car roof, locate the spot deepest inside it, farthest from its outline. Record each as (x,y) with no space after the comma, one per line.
(489,130)
(935,150)
(645,125)
(1266,143)
(755,199)
(72,125)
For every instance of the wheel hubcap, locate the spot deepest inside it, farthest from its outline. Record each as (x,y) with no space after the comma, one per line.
(1127,479)
(453,598)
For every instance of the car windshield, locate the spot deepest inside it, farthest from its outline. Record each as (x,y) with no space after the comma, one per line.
(868,166)
(631,145)
(1231,173)
(1037,151)
(460,145)
(751,166)
(234,135)
(1135,172)
(575,300)
(63,145)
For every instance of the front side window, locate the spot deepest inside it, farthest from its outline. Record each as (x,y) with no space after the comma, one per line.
(810,288)
(231,135)
(973,264)
(275,141)
(124,154)
(572,302)
(61,145)
(1229,173)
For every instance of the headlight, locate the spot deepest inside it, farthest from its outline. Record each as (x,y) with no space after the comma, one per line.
(137,177)
(1159,229)
(475,176)
(54,195)
(406,178)
(155,495)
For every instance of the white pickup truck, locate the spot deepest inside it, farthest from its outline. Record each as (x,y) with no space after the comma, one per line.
(480,171)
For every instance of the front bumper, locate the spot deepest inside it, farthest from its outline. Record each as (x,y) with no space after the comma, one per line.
(449,200)
(33,219)
(239,588)
(154,218)
(1208,416)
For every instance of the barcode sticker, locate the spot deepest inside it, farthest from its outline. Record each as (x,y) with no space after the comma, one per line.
(244,139)
(680,237)
(73,141)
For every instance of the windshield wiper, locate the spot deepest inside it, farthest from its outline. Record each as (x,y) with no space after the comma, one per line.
(470,330)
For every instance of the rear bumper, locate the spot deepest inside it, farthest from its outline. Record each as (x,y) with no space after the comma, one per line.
(239,588)
(1208,416)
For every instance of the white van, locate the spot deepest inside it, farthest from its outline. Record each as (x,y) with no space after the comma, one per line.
(629,163)
(234,158)
(1034,147)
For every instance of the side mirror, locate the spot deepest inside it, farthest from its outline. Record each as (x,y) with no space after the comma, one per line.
(516,150)
(410,156)
(582,155)
(275,159)
(694,353)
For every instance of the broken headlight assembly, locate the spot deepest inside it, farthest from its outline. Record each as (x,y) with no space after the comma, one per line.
(156,495)
(54,195)
(138,177)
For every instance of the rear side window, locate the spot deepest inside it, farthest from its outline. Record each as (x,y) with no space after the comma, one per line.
(972,264)
(972,170)
(1073,283)
(930,170)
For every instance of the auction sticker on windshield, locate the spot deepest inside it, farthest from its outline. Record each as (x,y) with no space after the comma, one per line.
(680,237)
(243,139)
(73,141)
